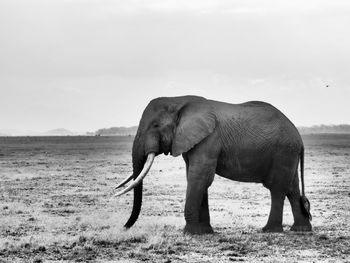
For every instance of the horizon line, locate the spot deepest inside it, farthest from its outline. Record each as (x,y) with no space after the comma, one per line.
(16,132)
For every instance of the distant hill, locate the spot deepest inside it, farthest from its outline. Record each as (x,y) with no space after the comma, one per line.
(58,132)
(342,128)
(54,132)
(8,132)
(117,131)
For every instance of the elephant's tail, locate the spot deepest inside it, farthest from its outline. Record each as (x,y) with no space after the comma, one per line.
(305,203)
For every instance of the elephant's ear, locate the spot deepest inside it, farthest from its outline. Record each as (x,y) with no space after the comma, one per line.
(196,122)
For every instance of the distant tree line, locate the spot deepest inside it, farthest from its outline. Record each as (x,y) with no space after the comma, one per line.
(342,128)
(117,131)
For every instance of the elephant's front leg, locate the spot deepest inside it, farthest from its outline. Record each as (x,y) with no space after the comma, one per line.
(199,177)
(204,217)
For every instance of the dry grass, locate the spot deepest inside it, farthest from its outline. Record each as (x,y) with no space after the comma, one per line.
(57,204)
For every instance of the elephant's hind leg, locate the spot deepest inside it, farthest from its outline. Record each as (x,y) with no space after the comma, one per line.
(301,221)
(278,182)
(274,223)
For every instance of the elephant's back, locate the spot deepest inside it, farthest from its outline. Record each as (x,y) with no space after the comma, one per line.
(272,120)
(257,125)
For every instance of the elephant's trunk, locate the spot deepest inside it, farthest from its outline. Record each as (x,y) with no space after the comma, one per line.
(138,161)
(136,206)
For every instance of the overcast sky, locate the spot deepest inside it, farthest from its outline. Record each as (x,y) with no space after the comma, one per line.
(90,64)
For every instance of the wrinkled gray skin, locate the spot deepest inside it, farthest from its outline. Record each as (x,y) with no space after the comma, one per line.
(249,142)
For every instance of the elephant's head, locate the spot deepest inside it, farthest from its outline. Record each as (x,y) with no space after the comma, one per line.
(168,125)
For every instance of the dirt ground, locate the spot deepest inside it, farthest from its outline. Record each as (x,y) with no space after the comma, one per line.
(57,205)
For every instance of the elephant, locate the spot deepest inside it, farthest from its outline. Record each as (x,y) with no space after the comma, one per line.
(248,142)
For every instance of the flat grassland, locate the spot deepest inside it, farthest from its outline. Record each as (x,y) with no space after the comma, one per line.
(57,205)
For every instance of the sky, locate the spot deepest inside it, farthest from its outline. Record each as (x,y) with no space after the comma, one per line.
(89,64)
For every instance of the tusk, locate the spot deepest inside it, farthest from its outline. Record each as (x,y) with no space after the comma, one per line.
(125,181)
(142,175)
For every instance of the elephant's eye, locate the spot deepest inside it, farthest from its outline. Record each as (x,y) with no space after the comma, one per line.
(155,125)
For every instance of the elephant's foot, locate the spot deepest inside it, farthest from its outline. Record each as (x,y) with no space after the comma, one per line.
(272,228)
(198,228)
(301,228)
